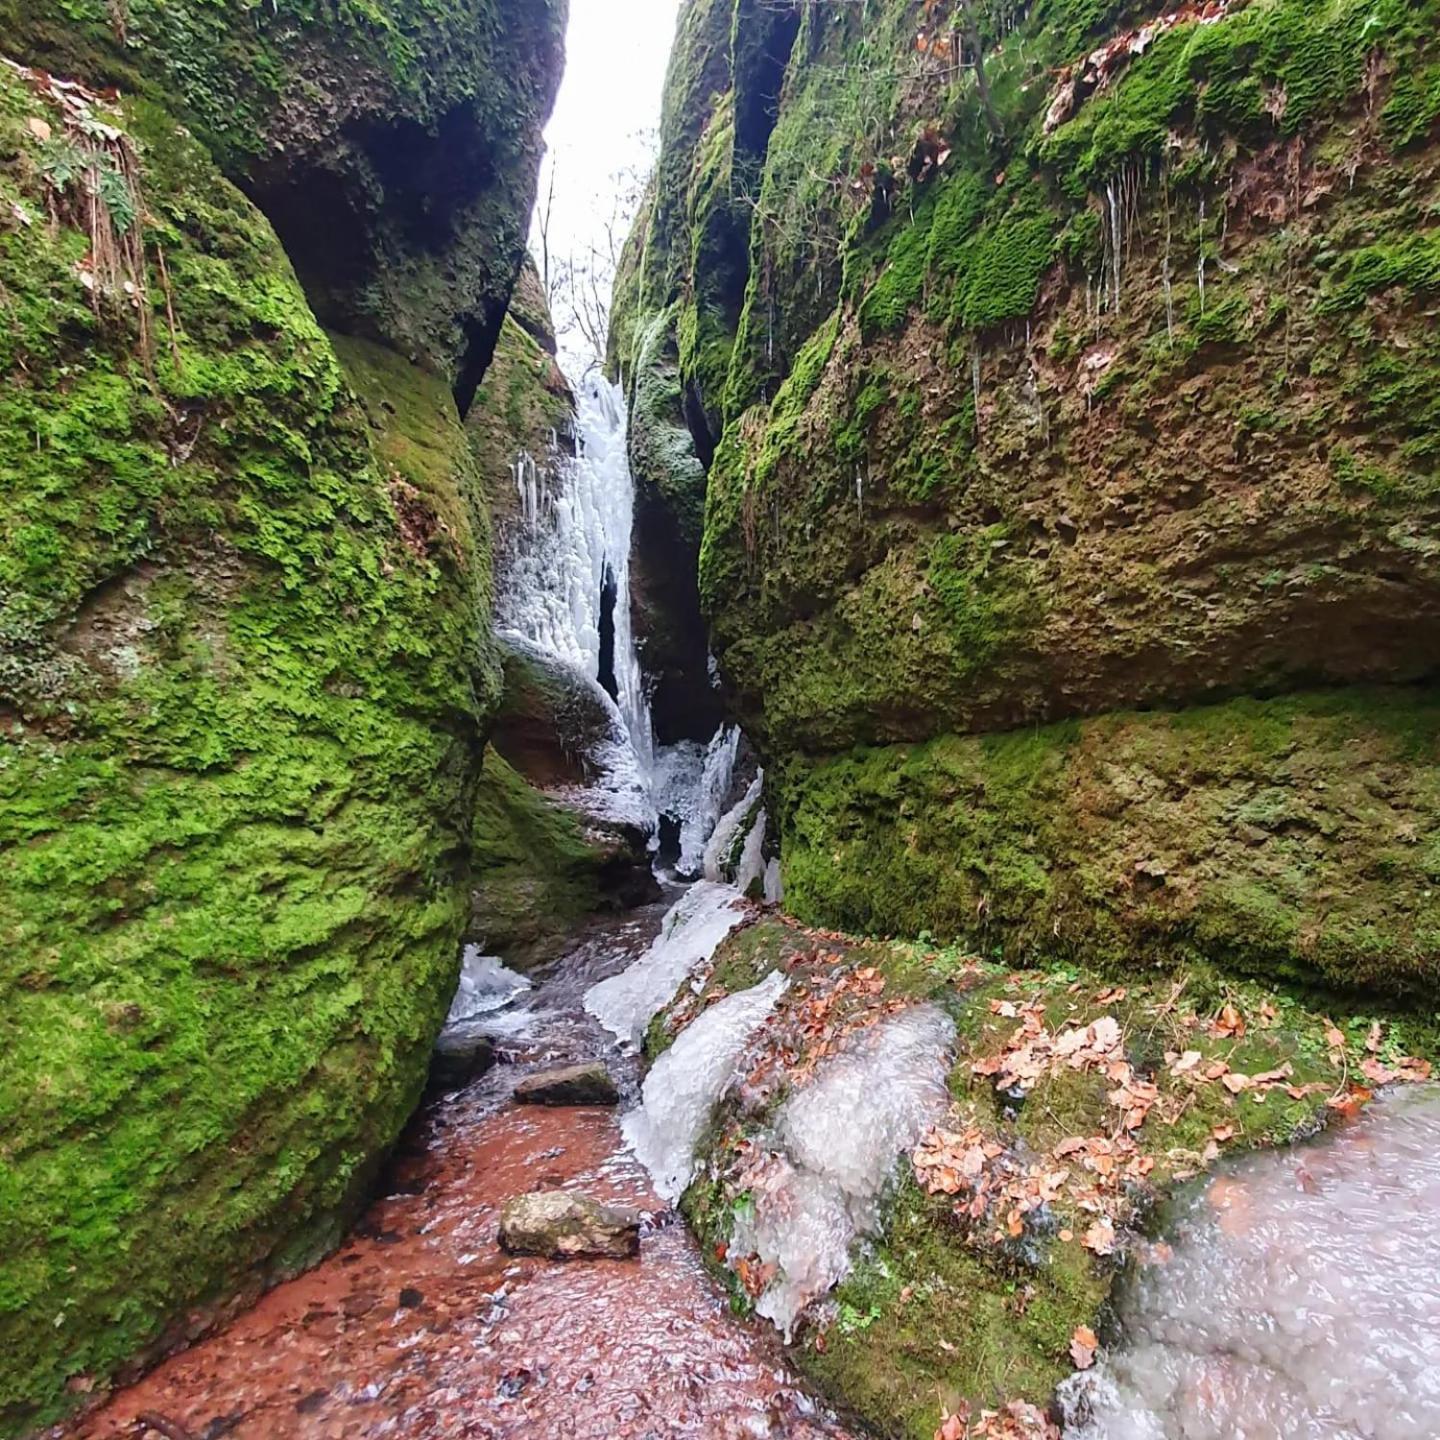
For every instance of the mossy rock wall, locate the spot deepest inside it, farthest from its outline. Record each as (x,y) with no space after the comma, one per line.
(394,145)
(1289,837)
(244,680)
(1115,391)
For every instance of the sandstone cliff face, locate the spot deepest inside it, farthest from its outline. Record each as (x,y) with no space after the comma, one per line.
(1090,404)
(244,672)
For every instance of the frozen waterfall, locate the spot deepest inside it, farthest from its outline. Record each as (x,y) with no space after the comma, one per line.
(564,594)
(565,582)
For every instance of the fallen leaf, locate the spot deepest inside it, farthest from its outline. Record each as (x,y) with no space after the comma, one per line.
(38,128)
(1228,1024)
(1100,1237)
(1083,1346)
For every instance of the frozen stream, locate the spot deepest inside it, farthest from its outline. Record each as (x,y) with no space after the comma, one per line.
(1297,1298)
(420,1328)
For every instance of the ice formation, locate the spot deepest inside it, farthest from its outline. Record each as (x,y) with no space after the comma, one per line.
(688,1081)
(699,801)
(485,985)
(834,1150)
(752,855)
(697,923)
(1300,1299)
(727,831)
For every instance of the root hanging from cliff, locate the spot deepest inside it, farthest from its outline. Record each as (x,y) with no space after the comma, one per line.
(92,175)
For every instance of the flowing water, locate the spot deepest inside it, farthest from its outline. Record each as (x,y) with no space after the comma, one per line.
(420,1328)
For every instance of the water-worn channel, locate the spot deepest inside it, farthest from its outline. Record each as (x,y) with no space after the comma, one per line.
(421,1327)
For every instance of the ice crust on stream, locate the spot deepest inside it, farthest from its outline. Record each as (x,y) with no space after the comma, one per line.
(626,1003)
(1300,1299)
(836,1143)
(486,985)
(685,1085)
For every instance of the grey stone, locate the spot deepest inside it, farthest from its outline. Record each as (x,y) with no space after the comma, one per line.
(562,1226)
(586,1084)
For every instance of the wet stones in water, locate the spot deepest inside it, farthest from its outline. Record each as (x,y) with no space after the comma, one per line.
(561,1226)
(460,1058)
(586,1084)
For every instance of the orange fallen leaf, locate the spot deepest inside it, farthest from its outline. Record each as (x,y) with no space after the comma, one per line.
(1229,1023)
(1100,1237)
(1083,1346)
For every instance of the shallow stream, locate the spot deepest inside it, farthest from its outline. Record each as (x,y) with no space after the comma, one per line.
(420,1328)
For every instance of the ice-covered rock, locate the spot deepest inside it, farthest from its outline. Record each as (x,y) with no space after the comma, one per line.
(687,1082)
(834,1149)
(718,864)
(626,1003)
(1298,1298)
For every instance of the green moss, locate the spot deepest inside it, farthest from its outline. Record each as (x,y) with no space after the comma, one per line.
(941,1311)
(536,874)
(896,1355)
(1232,77)
(1062,840)
(662,452)
(1410,264)
(240,714)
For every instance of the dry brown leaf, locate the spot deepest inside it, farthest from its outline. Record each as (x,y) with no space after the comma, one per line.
(1228,1024)
(1083,1346)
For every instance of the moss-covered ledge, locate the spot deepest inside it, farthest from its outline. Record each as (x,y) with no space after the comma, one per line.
(972,1290)
(1291,837)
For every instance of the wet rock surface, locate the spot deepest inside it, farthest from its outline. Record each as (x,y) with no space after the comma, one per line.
(588,1083)
(422,1327)
(568,1227)
(459,1058)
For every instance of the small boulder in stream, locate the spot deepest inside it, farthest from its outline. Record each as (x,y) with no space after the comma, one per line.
(589,1083)
(460,1056)
(562,1226)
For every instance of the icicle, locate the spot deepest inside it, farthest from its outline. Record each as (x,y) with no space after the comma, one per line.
(553,577)
(1202,255)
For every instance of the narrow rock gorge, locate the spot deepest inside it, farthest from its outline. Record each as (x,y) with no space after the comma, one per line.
(838,842)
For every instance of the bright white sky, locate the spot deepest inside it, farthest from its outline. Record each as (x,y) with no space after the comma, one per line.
(606,117)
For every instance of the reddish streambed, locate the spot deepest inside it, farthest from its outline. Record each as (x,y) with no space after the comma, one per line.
(421,1328)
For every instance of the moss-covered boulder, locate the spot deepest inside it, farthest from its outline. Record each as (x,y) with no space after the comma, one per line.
(1288,836)
(394,146)
(244,675)
(1079,370)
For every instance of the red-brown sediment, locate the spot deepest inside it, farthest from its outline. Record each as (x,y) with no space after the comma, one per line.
(419,1327)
